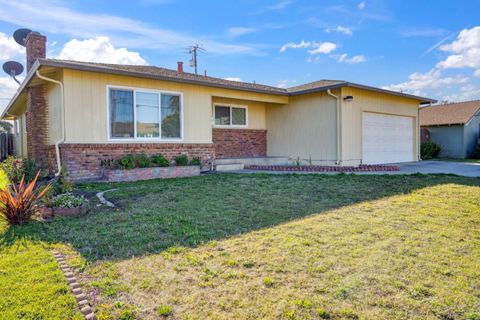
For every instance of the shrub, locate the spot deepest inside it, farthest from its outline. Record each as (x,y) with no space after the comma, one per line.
(142,161)
(160,160)
(109,163)
(19,204)
(181,160)
(127,162)
(429,150)
(66,200)
(16,168)
(196,161)
(164,310)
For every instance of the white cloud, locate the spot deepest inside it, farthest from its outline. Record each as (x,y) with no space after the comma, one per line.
(419,82)
(9,48)
(323,48)
(465,51)
(275,7)
(233,79)
(286,83)
(316,47)
(8,87)
(468,92)
(362,5)
(340,29)
(239,31)
(99,49)
(52,16)
(343,58)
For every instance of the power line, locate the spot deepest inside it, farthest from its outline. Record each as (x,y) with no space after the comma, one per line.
(194,50)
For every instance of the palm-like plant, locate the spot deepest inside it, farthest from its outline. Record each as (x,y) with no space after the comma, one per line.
(19,203)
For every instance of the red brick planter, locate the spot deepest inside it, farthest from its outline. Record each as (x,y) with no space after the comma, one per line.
(361,168)
(47,212)
(137,174)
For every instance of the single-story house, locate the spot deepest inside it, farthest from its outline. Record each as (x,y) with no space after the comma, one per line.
(454,126)
(74,114)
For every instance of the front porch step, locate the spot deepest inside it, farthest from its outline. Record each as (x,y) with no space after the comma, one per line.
(259,161)
(230,167)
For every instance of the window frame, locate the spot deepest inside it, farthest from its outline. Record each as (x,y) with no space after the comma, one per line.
(230,106)
(144,139)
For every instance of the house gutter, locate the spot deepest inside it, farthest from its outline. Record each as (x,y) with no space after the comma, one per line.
(62,117)
(339,128)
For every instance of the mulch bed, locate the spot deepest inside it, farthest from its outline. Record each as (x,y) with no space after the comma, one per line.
(361,168)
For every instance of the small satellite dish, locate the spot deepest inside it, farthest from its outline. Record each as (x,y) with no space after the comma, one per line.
(13,69)
(20,35)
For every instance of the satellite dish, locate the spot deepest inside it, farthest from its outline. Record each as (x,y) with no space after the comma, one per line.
(13,68)
(20,35)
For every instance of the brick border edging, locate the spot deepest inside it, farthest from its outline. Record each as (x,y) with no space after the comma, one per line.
(81,298)
(361,168)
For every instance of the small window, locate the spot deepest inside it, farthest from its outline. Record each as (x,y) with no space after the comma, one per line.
(170,116)
(147,115)
(230,116)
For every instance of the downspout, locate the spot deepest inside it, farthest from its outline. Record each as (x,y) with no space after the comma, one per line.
(62,117)
(339,128)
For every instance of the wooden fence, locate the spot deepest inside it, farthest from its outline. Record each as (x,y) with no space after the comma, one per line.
(6,145)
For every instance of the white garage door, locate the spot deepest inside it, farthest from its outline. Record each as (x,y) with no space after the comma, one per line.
(386,138)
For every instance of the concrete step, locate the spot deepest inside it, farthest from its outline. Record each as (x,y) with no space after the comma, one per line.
(259,161)
(229,167)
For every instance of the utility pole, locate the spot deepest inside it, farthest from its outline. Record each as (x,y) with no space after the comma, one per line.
(194,50)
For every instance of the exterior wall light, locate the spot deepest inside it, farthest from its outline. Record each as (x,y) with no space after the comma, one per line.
(348,98)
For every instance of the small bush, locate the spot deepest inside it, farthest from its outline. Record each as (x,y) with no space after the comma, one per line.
(127,162)
(181,160)
(160,160)
(16,169)
(19,204)
(164,310)
(196,161)
(142,161)
(429,150)
(109,163)
(66,200)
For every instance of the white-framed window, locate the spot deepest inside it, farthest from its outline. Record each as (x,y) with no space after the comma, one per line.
(227,115)
(141,114)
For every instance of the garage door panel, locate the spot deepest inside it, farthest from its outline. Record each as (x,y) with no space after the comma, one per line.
(387,138)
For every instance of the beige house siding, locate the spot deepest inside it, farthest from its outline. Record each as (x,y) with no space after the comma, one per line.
(256,111)
(304,128)
(53,97)
(86,105)
(367,101)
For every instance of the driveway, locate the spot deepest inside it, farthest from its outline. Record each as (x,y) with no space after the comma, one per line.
(467,169)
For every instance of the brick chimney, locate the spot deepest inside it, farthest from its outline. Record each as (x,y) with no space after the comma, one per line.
(180,67)
(35,45)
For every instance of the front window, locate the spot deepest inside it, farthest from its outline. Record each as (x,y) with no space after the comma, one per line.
(230,116)
(138,114)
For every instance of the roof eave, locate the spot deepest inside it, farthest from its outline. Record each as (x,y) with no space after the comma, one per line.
(422,100)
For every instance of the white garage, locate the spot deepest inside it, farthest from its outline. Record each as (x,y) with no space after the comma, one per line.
(387,138)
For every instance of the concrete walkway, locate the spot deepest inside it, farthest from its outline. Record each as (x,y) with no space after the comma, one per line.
(467,169)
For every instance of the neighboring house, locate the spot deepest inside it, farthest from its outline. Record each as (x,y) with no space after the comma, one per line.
(454,126)
(95,111)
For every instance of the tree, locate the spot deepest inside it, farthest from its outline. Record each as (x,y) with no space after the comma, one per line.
(6,127)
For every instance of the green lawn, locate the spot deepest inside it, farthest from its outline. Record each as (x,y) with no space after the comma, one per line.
(32,286)
(275,247)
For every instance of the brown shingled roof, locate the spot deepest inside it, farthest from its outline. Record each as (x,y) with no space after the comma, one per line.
(452,113)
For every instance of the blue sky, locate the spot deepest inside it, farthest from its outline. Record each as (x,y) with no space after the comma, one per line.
(421,47)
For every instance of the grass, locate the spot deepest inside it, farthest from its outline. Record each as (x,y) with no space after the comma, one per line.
(32,284)
(277,247)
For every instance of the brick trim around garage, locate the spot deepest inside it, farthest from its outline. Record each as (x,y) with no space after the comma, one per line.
(240,143)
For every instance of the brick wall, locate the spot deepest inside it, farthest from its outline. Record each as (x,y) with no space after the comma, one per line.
(37,125)
(240,143)
(82,161)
